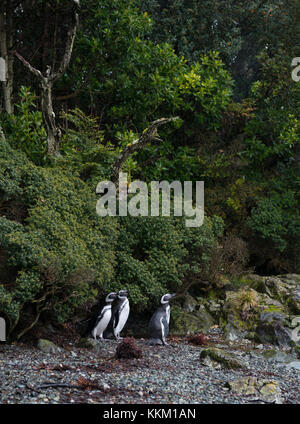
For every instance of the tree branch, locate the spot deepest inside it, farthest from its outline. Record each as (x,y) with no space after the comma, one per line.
(69,47)
(25,330)
(148,135)
(33,70)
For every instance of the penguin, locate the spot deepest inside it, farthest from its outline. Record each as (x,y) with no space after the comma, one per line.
(120,313)
(104,317)
(159,322)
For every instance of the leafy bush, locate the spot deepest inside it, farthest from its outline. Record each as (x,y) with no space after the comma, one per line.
(62,256)
(62,251)
(277,219)
(160,254)
(25,130)
(83,151)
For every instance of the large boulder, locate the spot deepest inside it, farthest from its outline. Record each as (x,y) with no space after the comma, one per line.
(214,307)
(273,355)
(218,358)
(273,327)
(190,304)
(286,289)
(183,322)
(243,313)
(240,308)
(283,288)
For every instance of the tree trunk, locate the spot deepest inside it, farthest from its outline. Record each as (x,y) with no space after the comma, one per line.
(53,133)
(47,81)
(5,47)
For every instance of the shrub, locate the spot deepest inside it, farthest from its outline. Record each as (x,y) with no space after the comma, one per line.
(25,129)
(277,219)
(160,254)
(234,255)
(61,256)
(63,252)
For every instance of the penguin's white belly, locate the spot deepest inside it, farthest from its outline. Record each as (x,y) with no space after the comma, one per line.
(168,314)
(124,313)
(101,326)
(162,328)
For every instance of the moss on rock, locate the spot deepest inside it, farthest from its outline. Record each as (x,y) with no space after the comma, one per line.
(213,356)
(47,346)
(183,322)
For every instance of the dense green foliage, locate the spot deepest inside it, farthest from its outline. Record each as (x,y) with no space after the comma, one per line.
(56,245)
(61,255)
(223,67)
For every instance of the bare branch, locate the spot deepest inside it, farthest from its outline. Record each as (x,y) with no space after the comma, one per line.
(47,80)
(148,135)
(68,51)
(33,70)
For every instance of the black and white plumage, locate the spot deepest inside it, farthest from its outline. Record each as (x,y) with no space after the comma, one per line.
(160,320)
(104,317)
(120,313)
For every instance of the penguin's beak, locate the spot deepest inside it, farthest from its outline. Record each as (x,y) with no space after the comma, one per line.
(173,295)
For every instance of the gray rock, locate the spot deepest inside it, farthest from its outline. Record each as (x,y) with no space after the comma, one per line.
(266,390)
(100,347)
(88,343)
(278,356)
(184,323)
(214,307)
(294,364)
(47,346)
(217,358)
(295,300)
(273,328)
(190,304)
(232,334)
(285,288)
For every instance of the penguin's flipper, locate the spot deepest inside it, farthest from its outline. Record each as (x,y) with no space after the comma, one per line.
(100,316)
(116,318)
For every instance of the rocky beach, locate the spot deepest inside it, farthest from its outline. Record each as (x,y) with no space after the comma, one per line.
(243,349)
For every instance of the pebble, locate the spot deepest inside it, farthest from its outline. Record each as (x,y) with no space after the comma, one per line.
(171,374)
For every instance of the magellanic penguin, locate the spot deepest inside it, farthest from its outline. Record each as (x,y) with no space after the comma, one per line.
(104,317)
(120,313)
(159,322)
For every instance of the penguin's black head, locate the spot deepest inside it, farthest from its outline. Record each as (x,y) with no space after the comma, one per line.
(167,297)
(111,297)
(122,294)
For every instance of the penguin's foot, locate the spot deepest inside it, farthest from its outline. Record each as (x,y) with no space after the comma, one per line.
(118,337)
(154,342)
